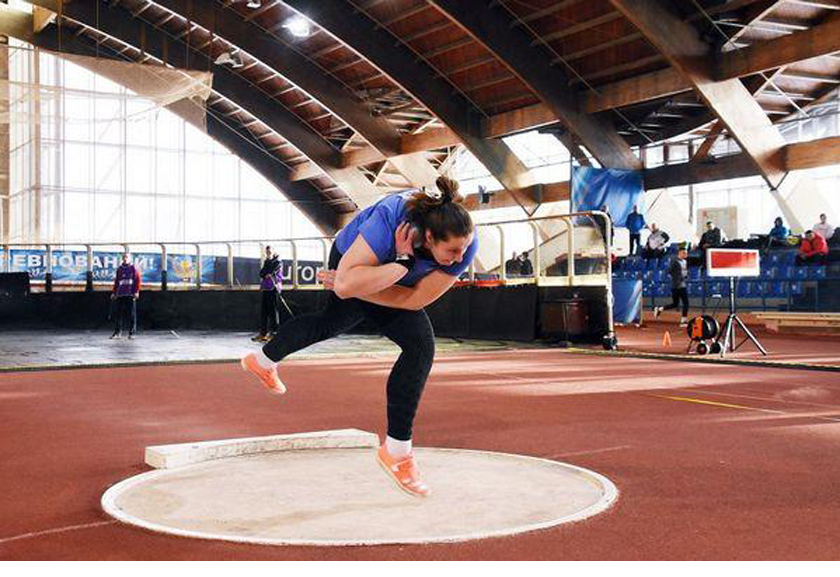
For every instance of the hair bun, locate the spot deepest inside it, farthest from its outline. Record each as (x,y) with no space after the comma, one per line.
(448,189)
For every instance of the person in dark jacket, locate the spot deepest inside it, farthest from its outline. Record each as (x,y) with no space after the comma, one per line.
(512,266)
(125,292)
(271,282)
(712,238)
(635,224)
(678,272)
(525,266)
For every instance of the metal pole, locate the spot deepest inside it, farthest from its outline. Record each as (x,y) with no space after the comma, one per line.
(164,265)
(230,265)
(295,280)
(503,274)
(536,233)
(326,257)
(89,272)
(48,275)
(198,266)
(8,252)
(570,232)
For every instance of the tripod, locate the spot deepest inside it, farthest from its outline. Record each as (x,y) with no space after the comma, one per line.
(729,327)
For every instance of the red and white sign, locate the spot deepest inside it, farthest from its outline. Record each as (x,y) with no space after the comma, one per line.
(732,262)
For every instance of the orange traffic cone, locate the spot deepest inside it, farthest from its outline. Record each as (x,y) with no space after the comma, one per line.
(666,339)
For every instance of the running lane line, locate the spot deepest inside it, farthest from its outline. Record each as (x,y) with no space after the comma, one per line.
(56,531)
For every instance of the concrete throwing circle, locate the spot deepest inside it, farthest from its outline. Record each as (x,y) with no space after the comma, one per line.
(342,497)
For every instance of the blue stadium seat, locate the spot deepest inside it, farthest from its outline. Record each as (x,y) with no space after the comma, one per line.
(788,258)
(652,264)
(800,272)
(717,287)
(648,289)
(786,273)
(664,263)
(817,272)
(746,289)
(661,276)
(796,288)
(695,274)
(696,289)
(779,289)
(663,290)
(770,272)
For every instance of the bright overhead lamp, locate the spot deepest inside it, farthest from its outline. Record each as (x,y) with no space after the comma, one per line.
(254,4)
(298,26)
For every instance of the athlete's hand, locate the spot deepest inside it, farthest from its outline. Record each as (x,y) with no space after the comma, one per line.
(328,278)
(404,239)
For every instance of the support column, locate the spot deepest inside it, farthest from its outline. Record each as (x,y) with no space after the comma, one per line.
(5,155)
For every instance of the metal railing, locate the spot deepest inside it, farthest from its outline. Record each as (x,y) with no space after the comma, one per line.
(573,222)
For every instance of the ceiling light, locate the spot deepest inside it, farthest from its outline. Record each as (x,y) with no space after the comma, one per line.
(254,4)
(298,26)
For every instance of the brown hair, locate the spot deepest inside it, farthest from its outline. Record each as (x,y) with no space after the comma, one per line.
(443,216)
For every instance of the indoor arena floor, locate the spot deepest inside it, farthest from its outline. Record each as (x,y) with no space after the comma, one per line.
(711,461)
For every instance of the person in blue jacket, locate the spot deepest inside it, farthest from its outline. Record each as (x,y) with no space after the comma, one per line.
(778,234)
(635,224)
(393,259)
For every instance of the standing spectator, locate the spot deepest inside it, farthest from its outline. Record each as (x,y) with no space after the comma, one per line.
(271,282)
(512,267)
(824,229)
(125,292)
(635,224)
(678,272)
(812,250)
(525,266)
(778,234)
(656,243)
(712,238)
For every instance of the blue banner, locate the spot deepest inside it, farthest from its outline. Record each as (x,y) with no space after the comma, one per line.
(627,301)
(71,266)
(619,190)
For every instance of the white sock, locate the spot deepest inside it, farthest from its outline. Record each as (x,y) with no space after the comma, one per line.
(397,448)
(263,360)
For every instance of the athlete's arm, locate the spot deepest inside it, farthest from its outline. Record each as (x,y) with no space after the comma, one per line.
(426,291)
(359,273)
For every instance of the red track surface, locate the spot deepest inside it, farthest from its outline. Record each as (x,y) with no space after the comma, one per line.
(697,481)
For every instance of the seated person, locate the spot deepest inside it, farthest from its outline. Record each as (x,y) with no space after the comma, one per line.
(824,229)
(512,266)
(778,234)
(812,250)
(525,266)
(657,243)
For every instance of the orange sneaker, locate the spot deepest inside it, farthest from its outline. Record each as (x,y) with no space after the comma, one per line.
(404,473)
(268,377)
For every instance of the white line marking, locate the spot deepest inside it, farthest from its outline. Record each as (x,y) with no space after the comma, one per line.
(591,452)
(58,530)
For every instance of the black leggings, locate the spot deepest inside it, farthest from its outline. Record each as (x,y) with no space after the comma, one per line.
(269,315)
(410,330)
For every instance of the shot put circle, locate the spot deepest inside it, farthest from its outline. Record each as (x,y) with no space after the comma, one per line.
(341,497)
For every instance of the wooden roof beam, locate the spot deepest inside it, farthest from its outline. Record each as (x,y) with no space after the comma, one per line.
(680,43)
(368,39)
(491,27)
(820,40)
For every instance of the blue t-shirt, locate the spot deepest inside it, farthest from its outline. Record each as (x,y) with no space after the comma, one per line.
(378,223)
(779,231)
(635,222)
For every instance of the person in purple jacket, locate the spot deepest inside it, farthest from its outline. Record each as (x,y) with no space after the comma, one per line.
(271,282)
(393,259)
(125,292)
